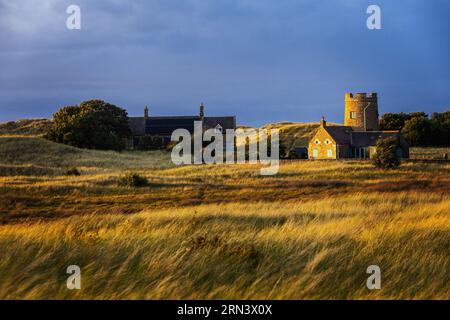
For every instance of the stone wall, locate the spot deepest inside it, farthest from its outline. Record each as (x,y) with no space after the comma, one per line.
(322,137)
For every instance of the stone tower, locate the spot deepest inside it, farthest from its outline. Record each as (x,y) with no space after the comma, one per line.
(361,111)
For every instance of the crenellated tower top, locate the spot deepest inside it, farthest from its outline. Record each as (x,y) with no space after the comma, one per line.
(361,111)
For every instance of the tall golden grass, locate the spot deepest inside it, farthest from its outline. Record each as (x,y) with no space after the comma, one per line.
(317,249)
(225,232)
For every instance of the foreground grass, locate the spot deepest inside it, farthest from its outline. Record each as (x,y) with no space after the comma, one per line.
(199,232)
(313,249)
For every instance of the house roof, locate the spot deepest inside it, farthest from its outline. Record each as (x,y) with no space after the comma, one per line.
(370,138)
(345,135)
(167,125)
(340,134)
(224,122)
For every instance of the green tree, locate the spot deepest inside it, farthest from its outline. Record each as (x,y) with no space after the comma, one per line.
(418,131)
(94,124)
(385,156)
(418,115)
(440,126)
(393,121)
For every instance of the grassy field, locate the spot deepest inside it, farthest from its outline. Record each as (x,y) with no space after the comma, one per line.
(218,231)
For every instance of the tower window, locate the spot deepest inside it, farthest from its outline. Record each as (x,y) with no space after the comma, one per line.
(352,115)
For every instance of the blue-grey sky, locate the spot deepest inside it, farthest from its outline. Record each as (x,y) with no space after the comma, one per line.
(261,60)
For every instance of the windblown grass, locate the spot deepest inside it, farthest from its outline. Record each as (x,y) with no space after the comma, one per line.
(224,231)
(303,250)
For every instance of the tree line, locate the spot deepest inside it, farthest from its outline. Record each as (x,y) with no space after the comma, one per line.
(418,128)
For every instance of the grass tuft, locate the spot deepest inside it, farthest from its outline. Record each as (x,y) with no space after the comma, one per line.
(133,179)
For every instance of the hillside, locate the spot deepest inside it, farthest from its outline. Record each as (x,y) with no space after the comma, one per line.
(28,155)
(25,126)
(295,134)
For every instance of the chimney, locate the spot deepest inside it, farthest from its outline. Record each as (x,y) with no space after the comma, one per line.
(146,113)
(323,123)
(202,110)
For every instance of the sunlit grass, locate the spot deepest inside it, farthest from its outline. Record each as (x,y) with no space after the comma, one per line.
(313,249)
(218,232)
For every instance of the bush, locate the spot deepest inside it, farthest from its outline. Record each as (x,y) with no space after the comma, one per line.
(72,172)
(94,124)
(133,180)
(385,156)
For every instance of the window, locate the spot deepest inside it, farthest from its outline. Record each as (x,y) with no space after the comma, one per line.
(315,153)
(317,142)
(330,153)
(327,141)
(352,115)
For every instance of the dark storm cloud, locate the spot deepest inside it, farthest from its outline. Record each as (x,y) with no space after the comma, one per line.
(262,60)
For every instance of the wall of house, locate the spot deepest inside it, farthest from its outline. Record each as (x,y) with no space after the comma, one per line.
(322,147)
(343,152)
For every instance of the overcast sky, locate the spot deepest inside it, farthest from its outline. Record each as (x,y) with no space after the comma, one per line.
(261,60)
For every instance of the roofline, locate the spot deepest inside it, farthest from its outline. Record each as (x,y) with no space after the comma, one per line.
(219,116)
(174,117)
(387,131)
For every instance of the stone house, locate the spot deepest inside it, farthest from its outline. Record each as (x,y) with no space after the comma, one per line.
(358,137)
(162,127)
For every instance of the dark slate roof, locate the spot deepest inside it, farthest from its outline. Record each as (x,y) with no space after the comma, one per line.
(370,138)
(137,125)
(340,134)
(345,135)
(164,126)
(224,122)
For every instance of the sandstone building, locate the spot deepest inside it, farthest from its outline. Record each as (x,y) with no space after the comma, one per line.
(357,138)
(162,127)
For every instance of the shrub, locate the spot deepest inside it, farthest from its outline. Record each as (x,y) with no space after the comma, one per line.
(133,180)
(94,124)
(385,156)
(72,172)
